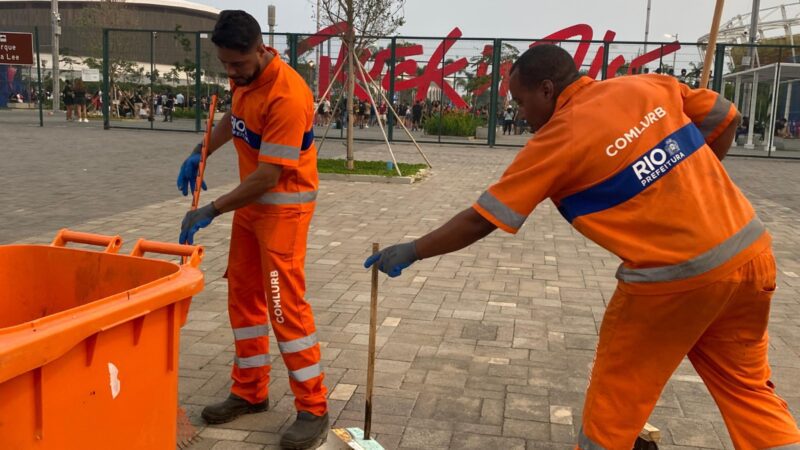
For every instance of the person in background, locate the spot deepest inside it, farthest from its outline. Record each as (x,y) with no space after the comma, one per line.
(69,99)
(80,101)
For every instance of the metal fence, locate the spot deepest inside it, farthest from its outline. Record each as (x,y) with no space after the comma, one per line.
(460,84)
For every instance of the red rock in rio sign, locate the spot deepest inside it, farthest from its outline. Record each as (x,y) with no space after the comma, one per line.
(435,72)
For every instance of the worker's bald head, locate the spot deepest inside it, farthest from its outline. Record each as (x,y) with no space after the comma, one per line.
(537,78)
(546,62)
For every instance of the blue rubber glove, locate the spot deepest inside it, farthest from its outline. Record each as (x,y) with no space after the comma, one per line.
(187,176)
(194,220)
(392,260)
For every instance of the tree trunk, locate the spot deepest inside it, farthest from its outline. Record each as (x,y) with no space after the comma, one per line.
(350,39)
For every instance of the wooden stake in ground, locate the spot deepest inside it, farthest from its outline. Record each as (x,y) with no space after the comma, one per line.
(373,323)
(355,438)
(711,50)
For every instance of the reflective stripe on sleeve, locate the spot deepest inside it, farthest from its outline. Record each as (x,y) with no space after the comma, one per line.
(287,198)
(716,116)
(500,211)
(279,151)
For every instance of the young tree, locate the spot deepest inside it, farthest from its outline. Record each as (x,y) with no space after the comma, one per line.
(366,20)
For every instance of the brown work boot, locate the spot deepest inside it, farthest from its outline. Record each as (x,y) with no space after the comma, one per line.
(233,407)
(306,431)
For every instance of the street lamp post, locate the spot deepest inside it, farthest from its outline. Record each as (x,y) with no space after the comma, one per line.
(271,23)
(316,51)
(313,78)
(674,54)
(647,26)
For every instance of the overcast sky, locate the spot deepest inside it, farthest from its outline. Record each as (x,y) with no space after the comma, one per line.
(690,19)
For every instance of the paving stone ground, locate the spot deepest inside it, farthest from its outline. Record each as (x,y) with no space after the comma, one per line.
(485,348)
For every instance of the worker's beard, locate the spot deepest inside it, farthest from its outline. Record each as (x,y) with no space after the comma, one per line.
(251,78)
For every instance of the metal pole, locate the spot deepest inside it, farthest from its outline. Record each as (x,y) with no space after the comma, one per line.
(719,67)
(316,56)
(737,93)
(496,49)
(753,99)
(106,82)
(349,43)
(151,106)
(292,38)
(753,31)
(271,23)
(55,28)
(774,106)
(197,80)
(674,55)
(647,26)
(392,66)
(40,95)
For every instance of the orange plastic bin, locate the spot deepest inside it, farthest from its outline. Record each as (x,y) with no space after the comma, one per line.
(89,343)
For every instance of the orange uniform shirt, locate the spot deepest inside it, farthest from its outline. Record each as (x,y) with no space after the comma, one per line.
(626,161)
(272,121)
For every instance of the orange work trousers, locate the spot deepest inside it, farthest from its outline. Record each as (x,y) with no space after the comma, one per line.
(722,327)
(266,285)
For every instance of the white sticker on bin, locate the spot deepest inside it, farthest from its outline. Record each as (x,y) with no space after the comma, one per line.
(113,374)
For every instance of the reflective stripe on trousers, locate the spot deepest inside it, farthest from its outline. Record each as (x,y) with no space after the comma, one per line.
(251,362)
(306,373)
(700,264)
(255,331)
(298,345)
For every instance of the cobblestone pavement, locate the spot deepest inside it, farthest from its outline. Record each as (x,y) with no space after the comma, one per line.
(485,348)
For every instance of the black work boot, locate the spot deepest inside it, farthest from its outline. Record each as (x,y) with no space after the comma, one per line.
(642,444)
(306,431)
(233,407)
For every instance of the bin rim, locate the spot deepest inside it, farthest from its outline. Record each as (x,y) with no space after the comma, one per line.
(32,344)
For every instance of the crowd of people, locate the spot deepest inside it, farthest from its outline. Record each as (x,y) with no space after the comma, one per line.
(412,114)
(137,104)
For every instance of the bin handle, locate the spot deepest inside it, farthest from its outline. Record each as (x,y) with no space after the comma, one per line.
(111,243)
(193,252)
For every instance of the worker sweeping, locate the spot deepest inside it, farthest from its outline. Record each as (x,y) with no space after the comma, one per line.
(271,124)
(633,163)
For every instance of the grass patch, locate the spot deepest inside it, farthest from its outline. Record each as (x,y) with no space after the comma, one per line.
(367,168)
